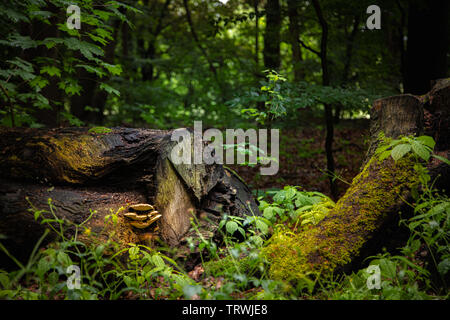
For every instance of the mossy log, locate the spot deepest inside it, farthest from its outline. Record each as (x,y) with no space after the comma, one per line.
(366,218)
(82,171)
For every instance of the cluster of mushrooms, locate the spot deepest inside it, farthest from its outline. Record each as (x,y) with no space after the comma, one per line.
(142,215)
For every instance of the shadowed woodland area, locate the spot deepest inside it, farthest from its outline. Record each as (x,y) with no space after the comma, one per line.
(358,91)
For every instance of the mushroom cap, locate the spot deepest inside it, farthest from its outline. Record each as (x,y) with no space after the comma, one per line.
(153,213)
(154,218)
(145,224)
(136,217)
(142,207)
(140,224)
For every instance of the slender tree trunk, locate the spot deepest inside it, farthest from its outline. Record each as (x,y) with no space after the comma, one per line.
(255,8)
(272,39)
(294,33)
(328,108)
(401,39)
(258,74)
(148,69)
(212,68)
(40,31)
(347,63)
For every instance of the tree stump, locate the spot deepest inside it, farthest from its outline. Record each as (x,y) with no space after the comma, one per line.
(82,171)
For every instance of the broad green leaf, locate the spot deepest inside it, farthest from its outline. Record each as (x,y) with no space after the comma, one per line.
(399,151)
(290,193)
(280,196)
(23,42)
(92,69)
(158,261)
(231,227)
(421,150)
(63,259)
(269,213)
(39,82)
(43,266)
(261,225)
(444,266)
(257,240)
(109,89)
(51,71)
(427,140)
(4,279)
(88,50)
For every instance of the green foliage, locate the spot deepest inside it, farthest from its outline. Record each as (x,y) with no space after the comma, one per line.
(292,206)
(30,82)
(399,280)
(282,98)
(107,272)
(273,100)
(421,147)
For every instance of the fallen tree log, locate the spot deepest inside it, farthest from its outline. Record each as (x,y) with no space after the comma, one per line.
(366,218)
(84,172)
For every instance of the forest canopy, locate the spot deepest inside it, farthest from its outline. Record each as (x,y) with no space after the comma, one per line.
(165,63)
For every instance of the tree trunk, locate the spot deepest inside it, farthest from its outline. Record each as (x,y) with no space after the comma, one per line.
(255,8)
(328,114)
(294,34)
(271,51)
(428,44)
(366,218)
(82,171)
(347,62)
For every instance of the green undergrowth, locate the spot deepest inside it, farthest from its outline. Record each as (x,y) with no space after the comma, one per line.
(260,257)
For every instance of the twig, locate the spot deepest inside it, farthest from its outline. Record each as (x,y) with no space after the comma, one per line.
(304,45)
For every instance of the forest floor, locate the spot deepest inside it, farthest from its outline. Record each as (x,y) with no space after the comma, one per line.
(303,161)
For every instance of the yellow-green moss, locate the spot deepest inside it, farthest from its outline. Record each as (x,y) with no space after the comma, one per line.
(77,155)
(284,254)
(72,159)
(167,181)
(341,234)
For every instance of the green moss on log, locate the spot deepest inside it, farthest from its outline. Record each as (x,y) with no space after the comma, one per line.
(78,155)
(375,193)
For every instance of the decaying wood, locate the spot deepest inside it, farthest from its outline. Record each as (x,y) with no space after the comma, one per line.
(82,171)
(366,218)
